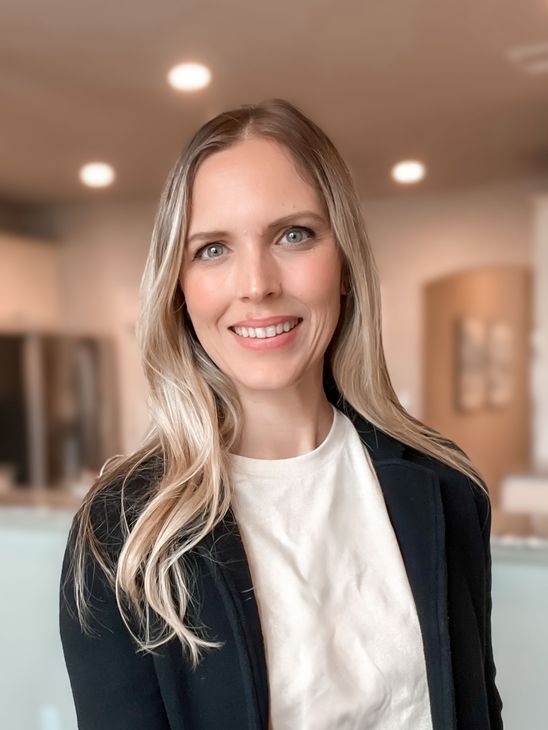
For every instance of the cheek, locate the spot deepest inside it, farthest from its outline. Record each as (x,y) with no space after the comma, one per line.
(320,279)
(201,295)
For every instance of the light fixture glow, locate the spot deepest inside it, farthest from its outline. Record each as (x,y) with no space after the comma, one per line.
(189,76)
(408,171)
(97,174)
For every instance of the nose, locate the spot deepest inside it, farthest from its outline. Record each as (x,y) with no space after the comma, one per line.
(258,274)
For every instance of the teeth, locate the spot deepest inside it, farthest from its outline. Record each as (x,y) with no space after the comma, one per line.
(264,332)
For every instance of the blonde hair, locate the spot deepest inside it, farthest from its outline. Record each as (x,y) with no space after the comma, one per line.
(195,412)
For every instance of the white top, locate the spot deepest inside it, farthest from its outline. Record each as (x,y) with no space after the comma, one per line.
(342,639)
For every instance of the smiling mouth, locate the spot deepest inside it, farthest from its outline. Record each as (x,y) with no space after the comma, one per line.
(265,333)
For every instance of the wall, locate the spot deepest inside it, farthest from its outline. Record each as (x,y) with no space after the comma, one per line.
(501,294)
(29,283)
(102,254)
(422,238)
(540,371)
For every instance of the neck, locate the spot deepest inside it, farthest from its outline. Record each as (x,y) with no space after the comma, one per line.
(281,424)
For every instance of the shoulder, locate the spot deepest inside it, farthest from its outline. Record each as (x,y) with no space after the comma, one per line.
(461,495)
(111,510)
(100,528)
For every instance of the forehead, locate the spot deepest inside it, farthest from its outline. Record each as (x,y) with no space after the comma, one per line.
(253,179)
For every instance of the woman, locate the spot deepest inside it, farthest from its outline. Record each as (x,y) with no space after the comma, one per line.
(289,548)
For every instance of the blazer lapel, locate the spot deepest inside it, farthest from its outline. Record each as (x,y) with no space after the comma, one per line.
(412,496)
(414,507)
(229,688)
(235,585)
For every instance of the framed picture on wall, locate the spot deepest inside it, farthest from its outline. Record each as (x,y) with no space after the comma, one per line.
(499,364)
(471,377)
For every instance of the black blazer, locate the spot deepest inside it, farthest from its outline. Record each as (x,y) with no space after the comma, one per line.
(442,524)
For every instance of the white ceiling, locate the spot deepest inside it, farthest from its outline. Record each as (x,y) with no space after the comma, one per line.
(386,79)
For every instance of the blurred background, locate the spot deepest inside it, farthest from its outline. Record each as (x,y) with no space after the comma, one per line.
(441,111)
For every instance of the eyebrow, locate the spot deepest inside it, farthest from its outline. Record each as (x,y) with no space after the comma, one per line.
(275,224)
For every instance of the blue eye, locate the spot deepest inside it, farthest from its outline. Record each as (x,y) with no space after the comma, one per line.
(198,255)
(300,230)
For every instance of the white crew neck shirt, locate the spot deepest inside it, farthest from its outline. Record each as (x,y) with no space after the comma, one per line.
(342,639)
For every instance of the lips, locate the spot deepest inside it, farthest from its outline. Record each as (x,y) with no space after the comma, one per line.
(260,333)
(293,321)
(267,338)
(266,321)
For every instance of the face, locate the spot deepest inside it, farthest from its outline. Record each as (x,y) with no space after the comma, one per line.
(259,246)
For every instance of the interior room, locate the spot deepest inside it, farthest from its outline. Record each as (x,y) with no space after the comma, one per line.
(441,112)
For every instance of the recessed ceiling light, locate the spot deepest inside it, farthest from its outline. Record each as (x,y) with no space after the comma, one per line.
(189,76)
(97,174)
(408,171)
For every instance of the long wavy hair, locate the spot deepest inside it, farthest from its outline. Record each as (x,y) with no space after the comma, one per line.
(194,409)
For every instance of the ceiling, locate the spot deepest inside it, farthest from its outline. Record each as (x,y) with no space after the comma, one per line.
(428,79)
